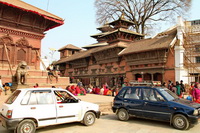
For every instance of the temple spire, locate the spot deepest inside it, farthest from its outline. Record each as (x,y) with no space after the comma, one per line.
(122,16)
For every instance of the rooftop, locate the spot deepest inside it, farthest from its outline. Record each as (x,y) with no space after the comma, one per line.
(69,46)
(96,45)
(30,8)
(161,41)
(87,53)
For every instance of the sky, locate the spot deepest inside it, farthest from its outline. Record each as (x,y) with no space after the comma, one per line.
(80,23)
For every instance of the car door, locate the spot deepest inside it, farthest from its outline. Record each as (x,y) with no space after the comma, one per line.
(40,105)
(132,101)
(68,108)
(155,106)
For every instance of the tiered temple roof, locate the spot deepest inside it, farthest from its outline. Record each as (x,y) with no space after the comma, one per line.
(32,9)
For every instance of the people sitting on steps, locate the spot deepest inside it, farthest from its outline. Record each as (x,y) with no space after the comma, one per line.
(52,72)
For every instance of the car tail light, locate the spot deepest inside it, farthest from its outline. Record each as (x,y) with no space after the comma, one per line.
(9,114)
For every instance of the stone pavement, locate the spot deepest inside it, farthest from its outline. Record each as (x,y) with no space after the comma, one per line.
(104,102)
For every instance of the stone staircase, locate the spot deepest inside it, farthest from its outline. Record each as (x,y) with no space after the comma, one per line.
(36,76)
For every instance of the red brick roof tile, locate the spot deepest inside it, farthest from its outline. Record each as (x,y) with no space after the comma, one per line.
(69,46)
(161,41)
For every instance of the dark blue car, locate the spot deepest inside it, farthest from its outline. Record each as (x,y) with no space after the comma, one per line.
(156,103)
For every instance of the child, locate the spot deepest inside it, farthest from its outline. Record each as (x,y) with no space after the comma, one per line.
(6,88)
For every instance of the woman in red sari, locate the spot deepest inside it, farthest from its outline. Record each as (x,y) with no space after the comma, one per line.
(196,94)
(78,90)
(73,90)
(83,92)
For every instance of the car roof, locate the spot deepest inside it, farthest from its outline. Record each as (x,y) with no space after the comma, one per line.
(145,87)
(27,89)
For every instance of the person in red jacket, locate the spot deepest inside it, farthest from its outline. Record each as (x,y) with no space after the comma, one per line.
(97,90)
(73,90)
(78,91)
(105,91)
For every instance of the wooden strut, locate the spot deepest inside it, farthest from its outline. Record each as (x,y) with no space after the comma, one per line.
(45,68)
(8,58)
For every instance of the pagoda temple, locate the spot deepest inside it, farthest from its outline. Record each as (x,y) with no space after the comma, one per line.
(122,55)
(101,63)
(22,27)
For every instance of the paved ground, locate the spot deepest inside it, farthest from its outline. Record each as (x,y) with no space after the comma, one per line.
(109,123)
(99,99)
(104,102)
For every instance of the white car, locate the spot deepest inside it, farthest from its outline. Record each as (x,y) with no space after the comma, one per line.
(27,109)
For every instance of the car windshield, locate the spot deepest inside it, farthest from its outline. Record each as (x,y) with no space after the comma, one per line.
(168,94)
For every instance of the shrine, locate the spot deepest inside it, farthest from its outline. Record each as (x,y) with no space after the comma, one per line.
(22,27)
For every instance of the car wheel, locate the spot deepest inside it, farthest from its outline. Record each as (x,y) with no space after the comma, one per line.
(89,119)
(180,122)
(26,126)
(122,115)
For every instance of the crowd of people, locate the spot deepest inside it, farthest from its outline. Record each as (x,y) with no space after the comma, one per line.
(191,91)
(179,88)
(79,89)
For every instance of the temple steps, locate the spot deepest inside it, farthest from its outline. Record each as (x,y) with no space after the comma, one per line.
(30,72)
(36,76)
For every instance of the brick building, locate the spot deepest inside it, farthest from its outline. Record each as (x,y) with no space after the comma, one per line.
(22,28)
(122,55)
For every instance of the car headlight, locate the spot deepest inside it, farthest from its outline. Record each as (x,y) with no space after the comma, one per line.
(196,112)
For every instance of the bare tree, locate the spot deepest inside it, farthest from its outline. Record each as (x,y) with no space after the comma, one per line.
(142,12)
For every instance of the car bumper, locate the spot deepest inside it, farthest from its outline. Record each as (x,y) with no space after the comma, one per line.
(98,113)
(114,109)
(9,124)
(193,119)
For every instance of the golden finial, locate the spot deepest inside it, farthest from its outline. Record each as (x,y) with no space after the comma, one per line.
(122,16)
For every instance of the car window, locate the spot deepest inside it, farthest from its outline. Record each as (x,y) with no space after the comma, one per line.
(12,98)
(40,97)
(169,95)
(159,97)
(149,94)
(121,93)
(152,95)
(26,98)
(133,93)
(64,97)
